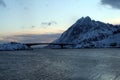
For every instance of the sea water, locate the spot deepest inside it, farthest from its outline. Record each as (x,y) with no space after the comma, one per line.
(60,64)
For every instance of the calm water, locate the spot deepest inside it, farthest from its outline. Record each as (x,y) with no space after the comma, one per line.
(60,64)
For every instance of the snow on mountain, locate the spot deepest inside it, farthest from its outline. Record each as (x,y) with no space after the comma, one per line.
(87,33)
(13,46)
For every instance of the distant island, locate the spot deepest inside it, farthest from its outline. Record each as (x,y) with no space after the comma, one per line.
(13,46)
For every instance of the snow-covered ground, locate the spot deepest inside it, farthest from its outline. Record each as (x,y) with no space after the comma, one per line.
(12,46)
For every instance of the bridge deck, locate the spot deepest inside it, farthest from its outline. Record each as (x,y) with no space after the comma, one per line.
(60,44)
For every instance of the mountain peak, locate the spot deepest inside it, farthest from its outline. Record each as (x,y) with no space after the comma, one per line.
(84,19)
(87,18)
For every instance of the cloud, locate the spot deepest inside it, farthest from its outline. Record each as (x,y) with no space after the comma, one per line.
(2,3)
(112,3)
(28,38)
(28,27)
(48,23)
(33,26)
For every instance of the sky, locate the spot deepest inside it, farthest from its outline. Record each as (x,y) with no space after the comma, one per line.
(19,18)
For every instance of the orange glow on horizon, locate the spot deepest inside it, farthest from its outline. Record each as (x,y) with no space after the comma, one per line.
(35,31)
(114,21)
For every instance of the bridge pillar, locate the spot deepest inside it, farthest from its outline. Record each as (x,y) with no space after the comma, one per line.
(62,46)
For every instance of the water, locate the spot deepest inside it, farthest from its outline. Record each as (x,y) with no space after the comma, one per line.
(60,64)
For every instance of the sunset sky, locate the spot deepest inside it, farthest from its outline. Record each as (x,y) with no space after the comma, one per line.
(46,17)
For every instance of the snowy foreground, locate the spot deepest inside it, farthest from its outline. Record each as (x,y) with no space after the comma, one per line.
(60,64)
(13,46)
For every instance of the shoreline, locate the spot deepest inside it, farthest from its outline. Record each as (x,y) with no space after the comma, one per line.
(60,49)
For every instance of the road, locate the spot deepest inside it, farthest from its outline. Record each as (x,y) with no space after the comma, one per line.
(60,64)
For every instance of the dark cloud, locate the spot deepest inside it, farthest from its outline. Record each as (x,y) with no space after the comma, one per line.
(112,3)
(48,23)
(2,3)
(34,38)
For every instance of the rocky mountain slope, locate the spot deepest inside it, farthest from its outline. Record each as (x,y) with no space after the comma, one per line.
(87,33)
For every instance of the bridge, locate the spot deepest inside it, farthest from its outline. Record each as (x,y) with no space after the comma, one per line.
(60,44)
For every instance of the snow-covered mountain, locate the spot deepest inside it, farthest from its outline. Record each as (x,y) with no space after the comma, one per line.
(13,46)
(87,33)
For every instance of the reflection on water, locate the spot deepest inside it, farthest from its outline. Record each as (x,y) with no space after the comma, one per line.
(60,64)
